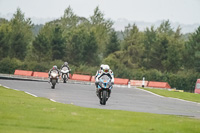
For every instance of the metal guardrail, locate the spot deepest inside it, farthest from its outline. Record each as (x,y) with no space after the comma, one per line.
(19,77)
(39,79)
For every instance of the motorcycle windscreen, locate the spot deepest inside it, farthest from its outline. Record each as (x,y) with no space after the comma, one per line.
(54,74)
(64,68)
(105,81)
(55,71)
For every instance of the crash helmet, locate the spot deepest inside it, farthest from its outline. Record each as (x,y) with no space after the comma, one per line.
(65,63)
(54,67)
(106,68)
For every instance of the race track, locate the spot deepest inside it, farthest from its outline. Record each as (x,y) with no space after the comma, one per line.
(124,98)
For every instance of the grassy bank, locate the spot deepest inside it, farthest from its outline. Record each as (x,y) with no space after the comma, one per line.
(181,95)
(22,113)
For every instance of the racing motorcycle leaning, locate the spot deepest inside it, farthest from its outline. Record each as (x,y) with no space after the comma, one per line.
(65,74)
(104,87)
(54,78)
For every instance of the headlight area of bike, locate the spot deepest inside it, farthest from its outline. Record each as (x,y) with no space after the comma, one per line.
(104,84)
(54,75)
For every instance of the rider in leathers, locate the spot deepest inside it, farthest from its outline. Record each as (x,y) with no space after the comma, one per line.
(65,65)
(54,69)
(104,70)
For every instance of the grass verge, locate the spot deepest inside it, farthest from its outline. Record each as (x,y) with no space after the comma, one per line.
(22,113)
(181,95)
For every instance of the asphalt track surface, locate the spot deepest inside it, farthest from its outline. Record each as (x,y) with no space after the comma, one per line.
(122,98)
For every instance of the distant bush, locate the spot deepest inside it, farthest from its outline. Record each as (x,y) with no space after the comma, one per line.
(8,65)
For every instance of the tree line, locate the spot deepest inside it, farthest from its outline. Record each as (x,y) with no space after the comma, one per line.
(157,53)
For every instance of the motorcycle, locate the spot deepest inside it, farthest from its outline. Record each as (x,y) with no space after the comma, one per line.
(65,74)
(53,78)
(104,87)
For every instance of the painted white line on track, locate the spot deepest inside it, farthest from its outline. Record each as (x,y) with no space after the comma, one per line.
(16,89)
(168,97)
(30,94)
(6,87)
(151,93)
(183,100)
(52,100)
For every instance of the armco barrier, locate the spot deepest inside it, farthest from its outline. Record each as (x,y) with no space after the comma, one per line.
(93,79)
(70,76)
(40,74)
(23,73)
(121,81)
(138,83)
(81,77)
(158,84)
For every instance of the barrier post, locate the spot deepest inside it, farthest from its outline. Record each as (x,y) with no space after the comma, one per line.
(129,85)
(143,81)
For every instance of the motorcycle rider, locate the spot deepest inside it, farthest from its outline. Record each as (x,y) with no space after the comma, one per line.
(66,65)
(104,70)
(54,69)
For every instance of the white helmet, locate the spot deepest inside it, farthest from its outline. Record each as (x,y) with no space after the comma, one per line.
(105,68)
(65,63)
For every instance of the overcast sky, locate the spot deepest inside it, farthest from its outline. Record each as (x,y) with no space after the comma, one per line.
(182,11)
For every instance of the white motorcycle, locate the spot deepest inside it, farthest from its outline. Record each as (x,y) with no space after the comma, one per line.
(65,74)
(54,78)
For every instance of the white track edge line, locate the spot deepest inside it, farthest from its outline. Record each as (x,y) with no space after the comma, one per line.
(184,100)
(151,93)
(6,87)
(30,94)
(52,100)
(168,97)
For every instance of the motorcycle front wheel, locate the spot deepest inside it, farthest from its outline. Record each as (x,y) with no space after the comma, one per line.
(53,82)
(104,97)
(64,78)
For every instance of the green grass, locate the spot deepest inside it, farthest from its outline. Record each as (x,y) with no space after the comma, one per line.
(22,113)
(181,95)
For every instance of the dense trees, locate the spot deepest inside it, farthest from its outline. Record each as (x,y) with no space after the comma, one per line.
(20,35)
(82,47)
(4,37)
(15,36)
(112,45)
(101,29)
(160,54)
(192,56)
